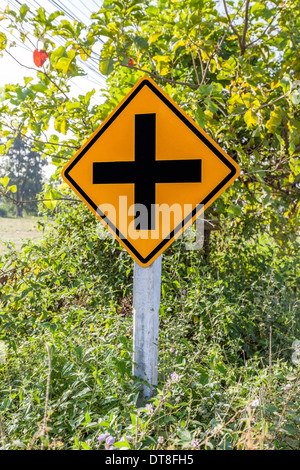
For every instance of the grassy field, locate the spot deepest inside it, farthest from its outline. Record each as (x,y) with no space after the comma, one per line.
(17,230)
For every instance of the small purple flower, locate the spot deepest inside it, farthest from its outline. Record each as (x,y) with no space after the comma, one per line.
(101,437)
(184,291)
(243,306)
(172,350)
(174,377)
(111,448)
(160,440)
(287,387)
(110,440)
(88,441)
(195,443)
(149,408)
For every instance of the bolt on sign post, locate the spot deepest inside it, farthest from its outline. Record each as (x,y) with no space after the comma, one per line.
(147,173)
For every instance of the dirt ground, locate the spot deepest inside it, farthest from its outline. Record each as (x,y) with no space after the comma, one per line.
(17,230)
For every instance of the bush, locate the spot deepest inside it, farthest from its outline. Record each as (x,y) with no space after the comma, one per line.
(227,329)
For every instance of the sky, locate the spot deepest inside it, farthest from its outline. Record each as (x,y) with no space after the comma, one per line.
(12,72)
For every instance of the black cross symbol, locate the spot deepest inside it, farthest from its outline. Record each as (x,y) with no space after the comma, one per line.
(145,172)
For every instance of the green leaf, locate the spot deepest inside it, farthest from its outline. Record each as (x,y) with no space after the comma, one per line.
(295,97)
(141,43)
(4,181)
(200,117)
(295,166)
(250,118)
(184,435)
(213,66)
(51,204)
(152,10)
(285,83)
(205,90)
(106,66)
(23,11)
(3,41)
(27,80)
(234,210)
(212,107)
(133,419)
(274,121)
(39,88)
(72,106)
(204,378)
(88,96)
(194,19)
(289,429)
(154,37)
(61,124)
(122,444)
(64,63)
(57,54)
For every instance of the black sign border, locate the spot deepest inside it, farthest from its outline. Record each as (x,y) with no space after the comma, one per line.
(173,108)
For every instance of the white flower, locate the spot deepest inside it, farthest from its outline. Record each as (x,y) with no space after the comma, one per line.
(174,377)
(149,408)
(255,403)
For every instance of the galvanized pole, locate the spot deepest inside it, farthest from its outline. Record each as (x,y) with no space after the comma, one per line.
(146,301)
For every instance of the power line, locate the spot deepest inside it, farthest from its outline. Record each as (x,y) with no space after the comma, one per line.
(96,4)
(92,70)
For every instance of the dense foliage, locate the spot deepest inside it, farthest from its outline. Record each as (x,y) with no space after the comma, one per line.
(229,331)
(235,71)
(22,168)
(228,373)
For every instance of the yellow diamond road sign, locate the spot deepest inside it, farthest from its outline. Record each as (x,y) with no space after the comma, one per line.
(149,171)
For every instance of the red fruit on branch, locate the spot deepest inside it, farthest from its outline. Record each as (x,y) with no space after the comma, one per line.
(39,57)
(131,62)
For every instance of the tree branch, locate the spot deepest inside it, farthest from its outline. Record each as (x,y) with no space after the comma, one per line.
(52,156)
(42,71)
(218,47)
(231,25)
(48,143)
(266,29)
(195,68)
(262,106)
(201,62)
(191,85)
(243,41)
(15,201)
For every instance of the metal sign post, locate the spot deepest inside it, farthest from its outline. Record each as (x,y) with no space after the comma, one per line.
(146,301)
